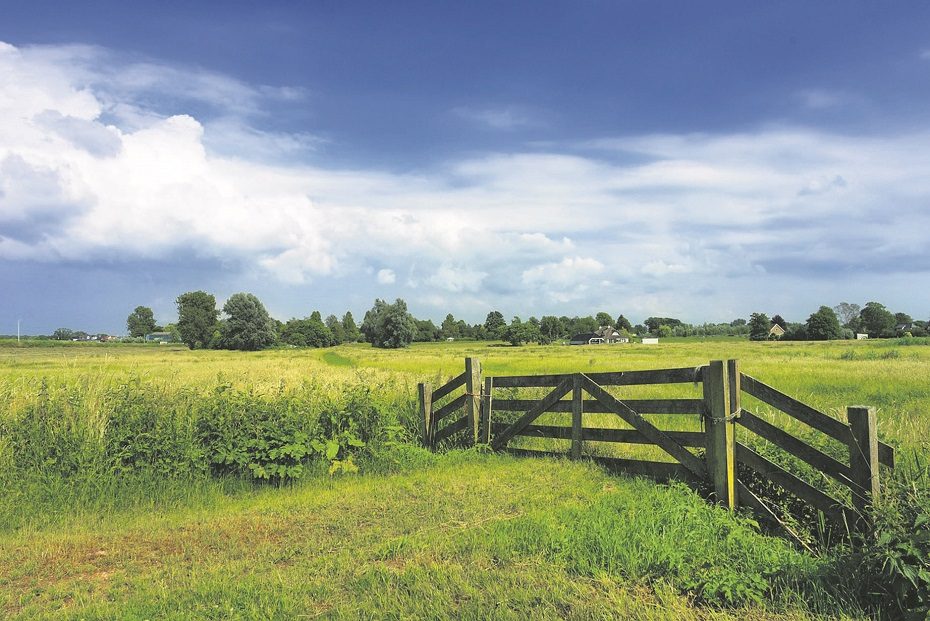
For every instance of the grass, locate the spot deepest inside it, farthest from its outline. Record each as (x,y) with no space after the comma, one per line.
(465,535)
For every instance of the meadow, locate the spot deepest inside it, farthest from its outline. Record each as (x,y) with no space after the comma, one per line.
(158,482)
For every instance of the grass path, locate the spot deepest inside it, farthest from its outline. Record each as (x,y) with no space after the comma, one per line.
(468,537)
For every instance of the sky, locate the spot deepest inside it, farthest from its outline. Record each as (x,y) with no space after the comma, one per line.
(694,160)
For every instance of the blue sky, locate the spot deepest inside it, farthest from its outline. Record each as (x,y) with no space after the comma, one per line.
(697,160)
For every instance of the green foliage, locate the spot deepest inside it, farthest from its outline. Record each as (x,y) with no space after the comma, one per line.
(494,323)
(248,326)
(823,325)
(197,317)
(141,321)
(759,326)
(891,566)
(877,320)
(604,319)
(624,324)
(310,332)
(351,330)
(518,332)
(389,326)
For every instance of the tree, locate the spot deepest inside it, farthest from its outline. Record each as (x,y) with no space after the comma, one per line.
(665,331)
(603,319)
(653,323)
(778,320)
(550,328)
(494,323)
(335,327)
(759,326)
(307,332)
(248,326)
(877,320)
(847,312)
(518,332)
(389,326)
(197,316)
(352,333)
(426,331)
(141,321)
(63,334)
(823,325)
(623,324)
(450,328)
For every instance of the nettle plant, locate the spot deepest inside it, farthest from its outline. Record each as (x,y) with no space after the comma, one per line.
(278,439)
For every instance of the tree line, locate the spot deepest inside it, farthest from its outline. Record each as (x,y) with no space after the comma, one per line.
(244,323)
(843,321)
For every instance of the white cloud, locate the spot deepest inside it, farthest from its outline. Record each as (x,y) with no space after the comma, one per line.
(500,118)
(89,169)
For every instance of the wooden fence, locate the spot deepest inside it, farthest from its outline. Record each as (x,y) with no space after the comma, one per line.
(469,418)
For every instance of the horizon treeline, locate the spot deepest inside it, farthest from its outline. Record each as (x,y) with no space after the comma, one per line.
(244,323)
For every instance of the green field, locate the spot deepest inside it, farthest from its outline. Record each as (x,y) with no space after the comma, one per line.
(112,507)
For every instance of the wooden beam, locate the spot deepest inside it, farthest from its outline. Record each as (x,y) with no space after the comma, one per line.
(577,405)
(798,448)
(472,396)
(451,429)
(863,460)
(456,404)
(448,387)
(646,428)
(592,406)
(426,407)
(686,375)
(484,431)
(504,437)
(599,434)
(719,429)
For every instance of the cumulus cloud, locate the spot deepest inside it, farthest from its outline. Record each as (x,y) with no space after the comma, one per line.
(101,158)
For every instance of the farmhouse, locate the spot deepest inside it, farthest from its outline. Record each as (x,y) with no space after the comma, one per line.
(604,334)
(776,331)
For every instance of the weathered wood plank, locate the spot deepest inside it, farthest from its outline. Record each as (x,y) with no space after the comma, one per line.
(719,431)
(577,411)
(451,429)
(832,508)
(598,434)
(592,406)
(797,448)
(686,375)
(448,387)
(646,428)
(472,395)
(863,460)
(806,414)
(426,410)
(456,404)
(794,408)
(659,470)
(487,402)
(504,437)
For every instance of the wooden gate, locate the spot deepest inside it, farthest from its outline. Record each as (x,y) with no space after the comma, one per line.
(719,409)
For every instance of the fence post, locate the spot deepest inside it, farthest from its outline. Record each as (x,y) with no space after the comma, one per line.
(733,376)
(472,398)
(720,450)
(426,413)
(484,428)
(863,459)
(577,405)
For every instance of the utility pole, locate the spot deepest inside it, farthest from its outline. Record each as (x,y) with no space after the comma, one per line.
(17,330)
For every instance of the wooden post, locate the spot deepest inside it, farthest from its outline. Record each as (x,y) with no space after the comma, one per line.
(733,377)
(472,398)
(426,413)
(863,459)
(484,429)
(577,406)
(720,451)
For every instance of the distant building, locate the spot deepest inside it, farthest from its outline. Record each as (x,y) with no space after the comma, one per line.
(861,337)
(604,334)
(650,340)
(159,337)
(776,331)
